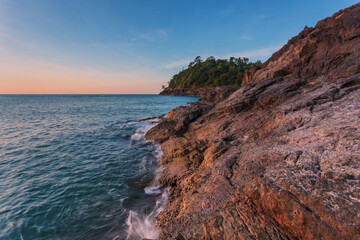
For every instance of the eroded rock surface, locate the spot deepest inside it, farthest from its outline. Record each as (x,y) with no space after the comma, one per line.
(280,157)
(330,48)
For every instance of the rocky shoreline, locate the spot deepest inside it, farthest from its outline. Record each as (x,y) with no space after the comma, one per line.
(278,158)
(209,95)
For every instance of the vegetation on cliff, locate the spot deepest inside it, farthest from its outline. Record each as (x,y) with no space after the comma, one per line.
(212,73)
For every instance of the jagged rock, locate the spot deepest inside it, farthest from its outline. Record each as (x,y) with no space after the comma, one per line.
(280,157)
(331,48)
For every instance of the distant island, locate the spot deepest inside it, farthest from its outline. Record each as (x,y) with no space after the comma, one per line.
(210,78)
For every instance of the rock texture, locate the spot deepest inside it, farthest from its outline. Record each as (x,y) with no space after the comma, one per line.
(280,157)
(330,48)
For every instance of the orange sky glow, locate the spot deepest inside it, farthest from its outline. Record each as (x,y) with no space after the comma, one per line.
(43,78)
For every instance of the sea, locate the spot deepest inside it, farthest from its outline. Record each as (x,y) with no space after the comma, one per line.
(79,167)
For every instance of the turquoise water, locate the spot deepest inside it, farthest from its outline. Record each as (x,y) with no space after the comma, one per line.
(78,167)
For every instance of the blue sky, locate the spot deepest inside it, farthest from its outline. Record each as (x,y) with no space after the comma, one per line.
(108,46)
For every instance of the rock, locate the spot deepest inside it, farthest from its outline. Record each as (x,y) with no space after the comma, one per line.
(209,95)
(280,157)
(249,75)
(331,48)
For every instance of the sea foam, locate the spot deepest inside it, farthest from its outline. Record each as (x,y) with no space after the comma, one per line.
(141,225)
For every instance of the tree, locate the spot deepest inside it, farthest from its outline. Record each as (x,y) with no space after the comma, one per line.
(258,63)
(211,58)
(212,72)
(197,60)
(231,60)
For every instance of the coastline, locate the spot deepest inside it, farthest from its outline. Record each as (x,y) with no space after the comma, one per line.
(277,158)
(210,95)
(83,159)
(279,181)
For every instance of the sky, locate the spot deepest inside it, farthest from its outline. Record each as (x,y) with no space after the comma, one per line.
(134,47)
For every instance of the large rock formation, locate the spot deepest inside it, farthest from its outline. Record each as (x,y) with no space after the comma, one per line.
(331,48)
(280,157)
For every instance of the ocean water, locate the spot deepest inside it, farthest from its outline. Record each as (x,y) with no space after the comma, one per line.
(78,166)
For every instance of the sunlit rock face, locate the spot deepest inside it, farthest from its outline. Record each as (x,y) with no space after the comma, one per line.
(331,48)
(280,157)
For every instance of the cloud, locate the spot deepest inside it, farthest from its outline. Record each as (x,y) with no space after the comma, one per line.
(256,19)
(257,53)
(227,12)
(246,37)
(37,65)
(24,76)
(179,63)
(151,35)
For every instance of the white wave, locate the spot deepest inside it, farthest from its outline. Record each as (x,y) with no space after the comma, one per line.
(142,225)
(160,203)
(142,128)
(153,190)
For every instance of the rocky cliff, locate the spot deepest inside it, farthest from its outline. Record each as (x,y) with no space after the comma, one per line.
(280,157)
(330,48)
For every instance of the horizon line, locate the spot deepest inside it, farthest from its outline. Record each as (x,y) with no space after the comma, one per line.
(79,93)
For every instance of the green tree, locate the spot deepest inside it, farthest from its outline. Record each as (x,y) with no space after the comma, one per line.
(212,72)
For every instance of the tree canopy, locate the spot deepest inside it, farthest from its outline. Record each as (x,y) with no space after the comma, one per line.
(212,72)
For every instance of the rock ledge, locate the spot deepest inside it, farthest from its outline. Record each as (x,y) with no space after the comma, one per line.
(280,157)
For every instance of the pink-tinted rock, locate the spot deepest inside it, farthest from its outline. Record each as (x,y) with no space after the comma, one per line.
(280,157)
(331,47)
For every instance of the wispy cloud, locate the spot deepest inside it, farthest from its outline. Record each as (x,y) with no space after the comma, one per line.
(246,37)
(256,19)
(257,53)
(227,12)
(179,63)
(151,35)
(39,77)
(26,64)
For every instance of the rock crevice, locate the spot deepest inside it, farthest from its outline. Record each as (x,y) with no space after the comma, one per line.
(280,157)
